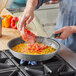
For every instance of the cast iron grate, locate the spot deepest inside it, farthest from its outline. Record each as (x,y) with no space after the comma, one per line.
(10,66)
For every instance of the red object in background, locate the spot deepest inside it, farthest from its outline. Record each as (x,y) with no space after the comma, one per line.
(54,0)
(28,36)
(14,22)
(15,19)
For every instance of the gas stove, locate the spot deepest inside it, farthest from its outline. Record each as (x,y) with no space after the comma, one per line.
(57,66)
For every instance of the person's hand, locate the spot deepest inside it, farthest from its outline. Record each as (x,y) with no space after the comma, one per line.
(25,18)
(65,32)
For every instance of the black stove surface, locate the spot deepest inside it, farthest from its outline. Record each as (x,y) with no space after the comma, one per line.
(57,66)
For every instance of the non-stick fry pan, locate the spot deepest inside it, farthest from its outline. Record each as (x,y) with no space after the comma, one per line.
(26,57)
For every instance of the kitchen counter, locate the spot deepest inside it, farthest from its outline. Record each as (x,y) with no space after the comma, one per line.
(68,55)
(7,34)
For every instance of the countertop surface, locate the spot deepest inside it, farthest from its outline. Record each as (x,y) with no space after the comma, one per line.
(68,55)
(7,34)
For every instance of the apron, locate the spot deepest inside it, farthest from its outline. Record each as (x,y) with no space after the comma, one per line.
(67,17)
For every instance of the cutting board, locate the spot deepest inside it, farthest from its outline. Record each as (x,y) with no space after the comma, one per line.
(7,34)
(5,12)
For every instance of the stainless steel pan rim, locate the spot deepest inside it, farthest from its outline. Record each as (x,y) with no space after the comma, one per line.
(28,57)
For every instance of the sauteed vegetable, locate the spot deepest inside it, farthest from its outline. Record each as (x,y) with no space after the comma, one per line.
(28,36)
(33,49)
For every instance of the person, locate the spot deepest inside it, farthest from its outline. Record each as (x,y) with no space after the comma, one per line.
(65,23)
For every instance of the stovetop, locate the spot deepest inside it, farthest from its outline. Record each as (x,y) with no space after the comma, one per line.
(57,66)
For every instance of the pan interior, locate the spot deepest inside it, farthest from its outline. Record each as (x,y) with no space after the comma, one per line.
(46,41)
(49,42)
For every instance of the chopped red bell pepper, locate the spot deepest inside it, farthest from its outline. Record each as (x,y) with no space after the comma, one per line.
(37,47)
(14,22)
(28,36)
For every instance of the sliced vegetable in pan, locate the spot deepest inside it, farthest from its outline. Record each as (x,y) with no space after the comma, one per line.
(33,49)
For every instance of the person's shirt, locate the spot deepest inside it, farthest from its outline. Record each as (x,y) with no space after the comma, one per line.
(40,2)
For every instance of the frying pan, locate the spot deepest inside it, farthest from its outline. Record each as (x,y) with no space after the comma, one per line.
(26,57)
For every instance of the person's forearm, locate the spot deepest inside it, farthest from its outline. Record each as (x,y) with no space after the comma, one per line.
(31,4)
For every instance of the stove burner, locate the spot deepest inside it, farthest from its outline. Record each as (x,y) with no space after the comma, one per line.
(29,62)
(32,63)
(11,66)
(22,61)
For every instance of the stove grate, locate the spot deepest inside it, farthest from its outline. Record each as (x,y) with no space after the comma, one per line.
(10,66)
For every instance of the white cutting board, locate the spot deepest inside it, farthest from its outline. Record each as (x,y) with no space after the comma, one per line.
(5,12)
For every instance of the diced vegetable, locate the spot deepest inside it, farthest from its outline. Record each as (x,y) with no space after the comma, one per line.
(33,49)
(37,47)
(28,36)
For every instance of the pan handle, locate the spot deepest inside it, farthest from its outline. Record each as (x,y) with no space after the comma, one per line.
(55,35)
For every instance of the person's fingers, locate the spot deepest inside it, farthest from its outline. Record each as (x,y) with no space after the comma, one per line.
(21,23)
(58,31)
(18,22)
(63,36)
(58,37)
(24,19)
(17,25)
(29,20)
(65,32)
